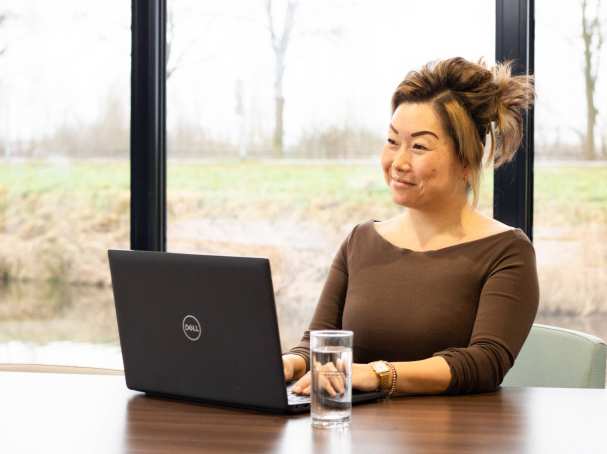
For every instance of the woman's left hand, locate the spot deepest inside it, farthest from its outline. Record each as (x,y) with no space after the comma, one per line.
(363,379)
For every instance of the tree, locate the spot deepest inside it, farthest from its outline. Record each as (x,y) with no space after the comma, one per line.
(175,61)
(592,37)
(3,17)
(280,43)
(171,63)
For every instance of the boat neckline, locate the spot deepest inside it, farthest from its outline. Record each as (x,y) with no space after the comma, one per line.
(446,248)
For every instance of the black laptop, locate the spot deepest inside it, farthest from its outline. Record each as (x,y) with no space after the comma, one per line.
(203,327)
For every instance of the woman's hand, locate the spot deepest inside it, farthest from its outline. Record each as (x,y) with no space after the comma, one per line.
(363,379)
(331,376)
(288,368)
(303,385)
(293,366)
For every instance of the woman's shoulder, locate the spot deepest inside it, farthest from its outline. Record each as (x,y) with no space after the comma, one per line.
(508,244)
(490,227)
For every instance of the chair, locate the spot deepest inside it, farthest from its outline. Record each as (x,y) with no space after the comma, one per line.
(560,358)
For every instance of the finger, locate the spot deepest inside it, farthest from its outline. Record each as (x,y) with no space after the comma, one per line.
(302,383)
(324,379)
(285,371)
(306,391)
(325,384)
(328,381)
(341,366)
(335,378)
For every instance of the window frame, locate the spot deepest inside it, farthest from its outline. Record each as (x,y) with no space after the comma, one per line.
(513,182)
(148,125)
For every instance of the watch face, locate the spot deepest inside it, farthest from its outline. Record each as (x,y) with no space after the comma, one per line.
(381,368)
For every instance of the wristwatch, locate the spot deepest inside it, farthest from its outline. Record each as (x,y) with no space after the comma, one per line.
(384,372)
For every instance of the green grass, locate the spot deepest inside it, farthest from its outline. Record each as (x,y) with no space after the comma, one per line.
(75,177)
(567,192)
(579,185)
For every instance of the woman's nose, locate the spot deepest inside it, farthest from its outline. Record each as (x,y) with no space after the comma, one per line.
(402,159)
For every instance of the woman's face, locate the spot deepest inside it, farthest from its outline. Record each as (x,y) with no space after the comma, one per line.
(419,161)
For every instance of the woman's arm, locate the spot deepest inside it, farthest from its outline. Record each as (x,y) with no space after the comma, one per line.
(427,376)
(507,306)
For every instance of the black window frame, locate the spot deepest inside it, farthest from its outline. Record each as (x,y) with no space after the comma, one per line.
(513,182)
(148,125)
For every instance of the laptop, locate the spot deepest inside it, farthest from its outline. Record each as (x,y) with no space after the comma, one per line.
(204,328)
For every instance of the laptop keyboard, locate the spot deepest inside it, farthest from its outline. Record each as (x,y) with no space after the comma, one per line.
(297,398)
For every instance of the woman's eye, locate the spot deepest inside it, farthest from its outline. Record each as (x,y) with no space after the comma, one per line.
(391,142)
(419,145)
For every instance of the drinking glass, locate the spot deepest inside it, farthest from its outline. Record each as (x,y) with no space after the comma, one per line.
(331,366)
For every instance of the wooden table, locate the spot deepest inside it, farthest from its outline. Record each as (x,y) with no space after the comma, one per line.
(64,413)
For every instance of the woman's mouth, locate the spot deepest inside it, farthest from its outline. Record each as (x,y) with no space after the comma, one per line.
(400,184)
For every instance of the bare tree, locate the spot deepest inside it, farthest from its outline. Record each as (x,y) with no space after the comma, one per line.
(171,64)
(3,17)
(280,43)
(592,37)
(175,61)
(4,146)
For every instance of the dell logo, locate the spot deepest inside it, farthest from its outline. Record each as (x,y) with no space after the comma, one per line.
(191,327)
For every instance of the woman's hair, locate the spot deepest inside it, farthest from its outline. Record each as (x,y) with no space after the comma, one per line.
(471,102)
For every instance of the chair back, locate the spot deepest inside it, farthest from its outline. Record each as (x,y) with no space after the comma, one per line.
(560,358)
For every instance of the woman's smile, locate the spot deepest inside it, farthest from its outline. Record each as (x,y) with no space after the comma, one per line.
(398,184)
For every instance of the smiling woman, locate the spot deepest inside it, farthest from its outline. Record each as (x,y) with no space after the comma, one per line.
(446,293)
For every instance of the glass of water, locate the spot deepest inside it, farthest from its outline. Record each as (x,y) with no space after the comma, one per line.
(331,370)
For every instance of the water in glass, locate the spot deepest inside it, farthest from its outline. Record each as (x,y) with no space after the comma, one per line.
(327,410)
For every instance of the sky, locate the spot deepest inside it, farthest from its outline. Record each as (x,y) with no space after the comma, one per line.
(65,58)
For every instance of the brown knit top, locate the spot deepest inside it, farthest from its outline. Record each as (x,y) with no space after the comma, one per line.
(472,303)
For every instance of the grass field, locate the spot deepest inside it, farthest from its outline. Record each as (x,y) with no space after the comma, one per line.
(58,218)
(60,201)
(556,187)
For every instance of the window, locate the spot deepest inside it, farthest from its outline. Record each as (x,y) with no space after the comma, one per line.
(275,151)
(64,178)
(570,218)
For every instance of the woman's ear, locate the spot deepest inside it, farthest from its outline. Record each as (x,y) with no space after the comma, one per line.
(466,173)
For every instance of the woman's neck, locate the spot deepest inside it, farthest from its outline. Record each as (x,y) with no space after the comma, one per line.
(450,221)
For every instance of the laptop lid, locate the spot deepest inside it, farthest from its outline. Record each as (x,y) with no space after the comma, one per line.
(199,326)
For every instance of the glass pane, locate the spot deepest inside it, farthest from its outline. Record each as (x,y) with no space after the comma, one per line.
(570,219)
(64,178)
(239,186)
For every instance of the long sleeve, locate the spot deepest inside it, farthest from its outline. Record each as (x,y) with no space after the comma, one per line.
(506,311)
(329,310)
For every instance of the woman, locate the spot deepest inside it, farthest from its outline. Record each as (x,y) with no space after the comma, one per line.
(440,298)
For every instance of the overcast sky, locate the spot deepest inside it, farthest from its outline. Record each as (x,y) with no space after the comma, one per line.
(65,58)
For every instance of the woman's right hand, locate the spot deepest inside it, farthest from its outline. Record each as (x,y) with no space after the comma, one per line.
(288,368)
(293,366)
